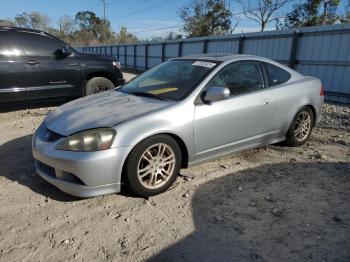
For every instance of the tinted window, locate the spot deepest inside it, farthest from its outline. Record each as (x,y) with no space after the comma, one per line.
(276,75)
(9,45)
(239,78)
(3,40)
(39,45)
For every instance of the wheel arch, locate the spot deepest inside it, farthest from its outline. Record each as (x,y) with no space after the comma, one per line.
(104,74)
(179,141)
(314,112)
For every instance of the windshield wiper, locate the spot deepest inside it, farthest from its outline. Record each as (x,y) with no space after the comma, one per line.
(145,94)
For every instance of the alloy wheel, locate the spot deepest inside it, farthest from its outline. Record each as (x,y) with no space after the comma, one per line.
(156,166)
(302,126)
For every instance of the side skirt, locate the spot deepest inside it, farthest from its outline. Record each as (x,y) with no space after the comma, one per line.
(272,141)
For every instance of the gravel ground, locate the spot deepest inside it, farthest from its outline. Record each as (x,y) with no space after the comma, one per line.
(269,204)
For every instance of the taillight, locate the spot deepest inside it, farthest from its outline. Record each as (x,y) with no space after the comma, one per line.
(322,91)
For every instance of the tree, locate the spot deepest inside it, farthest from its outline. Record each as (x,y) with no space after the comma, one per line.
(125,37)
(206,17)
(345,18)
(307,14)
(66,26)
(92,27)
(166,36)
(34,20)
(7,22)
(262,13)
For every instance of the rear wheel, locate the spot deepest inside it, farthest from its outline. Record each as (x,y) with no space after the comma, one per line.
(153,165)
(301,127)
(98,84)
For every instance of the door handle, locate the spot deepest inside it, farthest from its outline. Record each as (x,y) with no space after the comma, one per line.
(32,62)
(266,102)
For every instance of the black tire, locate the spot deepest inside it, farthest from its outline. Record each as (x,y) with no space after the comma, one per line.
(291,138)
(134,159)
(98,84)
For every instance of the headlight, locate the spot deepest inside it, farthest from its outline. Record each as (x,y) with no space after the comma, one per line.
(90,140)
(116,64)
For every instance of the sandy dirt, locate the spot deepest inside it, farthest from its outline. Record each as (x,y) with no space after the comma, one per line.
(269,204)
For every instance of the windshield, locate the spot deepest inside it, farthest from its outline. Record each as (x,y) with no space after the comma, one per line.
(171,80)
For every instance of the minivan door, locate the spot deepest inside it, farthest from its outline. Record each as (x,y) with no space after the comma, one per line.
(243,120)
(48,75)
(12,72)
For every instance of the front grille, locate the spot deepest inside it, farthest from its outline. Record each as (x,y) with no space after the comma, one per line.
(60,175)
(48,170)
(69,177)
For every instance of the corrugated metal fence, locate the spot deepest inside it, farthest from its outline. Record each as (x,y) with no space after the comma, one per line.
(322,51)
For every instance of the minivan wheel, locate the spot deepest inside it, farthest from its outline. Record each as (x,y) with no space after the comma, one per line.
(153,165)
(301,127)
(97,85)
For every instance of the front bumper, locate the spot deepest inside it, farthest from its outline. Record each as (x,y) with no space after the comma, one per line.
(82,174)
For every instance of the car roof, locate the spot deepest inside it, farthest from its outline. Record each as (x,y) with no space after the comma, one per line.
(220,57)
(26,30)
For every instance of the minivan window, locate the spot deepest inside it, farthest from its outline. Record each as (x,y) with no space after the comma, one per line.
(39,45)
(276,75)
(239,78)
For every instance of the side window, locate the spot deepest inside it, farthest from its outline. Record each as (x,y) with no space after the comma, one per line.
(3,43)
(240,78)
(276,75)
(39,45)
(9,45)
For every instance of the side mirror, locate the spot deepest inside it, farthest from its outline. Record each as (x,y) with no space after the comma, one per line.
(216,93)
(61,53)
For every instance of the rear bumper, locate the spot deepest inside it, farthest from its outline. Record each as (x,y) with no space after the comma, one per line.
(319,111)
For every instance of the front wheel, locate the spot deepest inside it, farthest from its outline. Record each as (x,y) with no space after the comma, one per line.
(98,84)
(153,165)
(301,127)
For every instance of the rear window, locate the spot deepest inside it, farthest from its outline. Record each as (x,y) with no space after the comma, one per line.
(276,75)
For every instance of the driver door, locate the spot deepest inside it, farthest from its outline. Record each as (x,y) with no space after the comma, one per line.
(48,75)
(242,120)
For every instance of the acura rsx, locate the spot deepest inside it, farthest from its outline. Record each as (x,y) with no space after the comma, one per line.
(180,113)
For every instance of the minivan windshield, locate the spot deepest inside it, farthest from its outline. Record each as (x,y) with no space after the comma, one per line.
(171,80)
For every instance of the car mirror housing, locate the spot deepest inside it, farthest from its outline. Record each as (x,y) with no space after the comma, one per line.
(60,53)
(216,93)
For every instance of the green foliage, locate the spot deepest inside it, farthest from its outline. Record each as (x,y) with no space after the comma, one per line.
(7,22)
(125,37)
(34,20)
(312,13)
(206,17)
(92,27)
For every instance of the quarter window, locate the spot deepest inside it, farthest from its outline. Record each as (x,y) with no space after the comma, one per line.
(239,78)
(276,75)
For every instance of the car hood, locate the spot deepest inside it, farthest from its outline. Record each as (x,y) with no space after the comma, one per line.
(101,110)
(97,56)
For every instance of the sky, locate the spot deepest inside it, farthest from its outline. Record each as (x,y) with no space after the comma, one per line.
(139,16)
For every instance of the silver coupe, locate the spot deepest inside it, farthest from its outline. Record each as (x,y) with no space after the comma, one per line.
(180,113)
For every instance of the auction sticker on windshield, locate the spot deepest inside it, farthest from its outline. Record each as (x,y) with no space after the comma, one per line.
(204,64)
